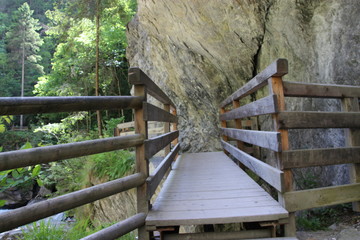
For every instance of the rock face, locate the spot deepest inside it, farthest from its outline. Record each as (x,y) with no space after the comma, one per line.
(201,51)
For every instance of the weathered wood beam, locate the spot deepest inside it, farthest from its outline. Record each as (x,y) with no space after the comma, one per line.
(34,105)
(265,139)
(153,113)
(263,233)
(262,106)
(319,157)
(301,120)
(33,156)
(276,69)
(119,229)
(154,179)
(155,144)
(24,215)
(321,197)
(138,77)
(296,89)
(268,173)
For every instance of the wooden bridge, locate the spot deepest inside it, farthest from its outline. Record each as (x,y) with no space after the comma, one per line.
(211,188)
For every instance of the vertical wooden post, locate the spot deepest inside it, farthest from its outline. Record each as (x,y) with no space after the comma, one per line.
(224,125)
(238,125)
(352,138)
(174,126)
(167,129)
(142,164)
(276,87)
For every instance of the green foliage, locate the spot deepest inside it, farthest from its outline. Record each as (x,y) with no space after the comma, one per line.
(5,122)
(321,218)
(113,164)
(111,124)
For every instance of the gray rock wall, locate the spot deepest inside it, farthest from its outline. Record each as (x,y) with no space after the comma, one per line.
(200,51)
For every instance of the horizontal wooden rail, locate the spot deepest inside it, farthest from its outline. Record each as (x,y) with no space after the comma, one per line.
(155,179)
(269,140)
(34,105)
(319,157)
(119,229)
(138,77)
(24,215)
(296,89)
(126,125)
(321,197)
(262,106)
(302,120)
(155,144)
(268,173)
(28,157)
(276,69)
(153,113)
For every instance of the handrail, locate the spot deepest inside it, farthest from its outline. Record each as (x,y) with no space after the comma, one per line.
(31,213)
(144,112)
(33,105)
(280,176)
(33,156)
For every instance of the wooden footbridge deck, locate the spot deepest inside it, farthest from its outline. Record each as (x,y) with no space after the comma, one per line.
(204,189)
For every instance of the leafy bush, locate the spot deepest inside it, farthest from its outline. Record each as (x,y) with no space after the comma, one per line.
(111,124)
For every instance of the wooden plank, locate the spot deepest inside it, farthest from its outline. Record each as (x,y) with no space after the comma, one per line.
(155,144)
(278,68)
(260,233)
(30,213)
(265,139)
(142,163)
(276,87)
(138,77)
(301,120)
(297,89)
(126,125)
(34,105)
(268,173)
(262,106)
(167,128)
(33,156)
(119,229)
(153,113)
(352,138)
(320,157)
(321,197)
(154,180)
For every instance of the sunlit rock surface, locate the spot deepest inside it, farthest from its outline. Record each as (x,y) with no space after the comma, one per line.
(200,51)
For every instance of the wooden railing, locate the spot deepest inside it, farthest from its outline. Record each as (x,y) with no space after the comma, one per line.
(145,148)
(280,175)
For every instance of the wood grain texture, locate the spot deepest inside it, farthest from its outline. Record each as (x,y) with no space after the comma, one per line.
(262,106)
(155,144)
(268,173)
(154,180)
(296,89)
(321,197)
(278,68)
(34,105)
(269,140)
(119,229)
(138,77)
(302,120)
(153,113)
(319,157)
(209,188)
(33,156)
(24,215)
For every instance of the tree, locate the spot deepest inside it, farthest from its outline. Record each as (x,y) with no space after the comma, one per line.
(23,44)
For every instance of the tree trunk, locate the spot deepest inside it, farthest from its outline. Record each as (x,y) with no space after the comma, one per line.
(22,80)
(98,113)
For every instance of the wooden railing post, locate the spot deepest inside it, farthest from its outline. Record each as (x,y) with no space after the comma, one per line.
(142,164)
(167,129)
(276,87)
(352,138)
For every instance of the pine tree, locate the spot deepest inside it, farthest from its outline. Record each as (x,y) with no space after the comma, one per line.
(23,44)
